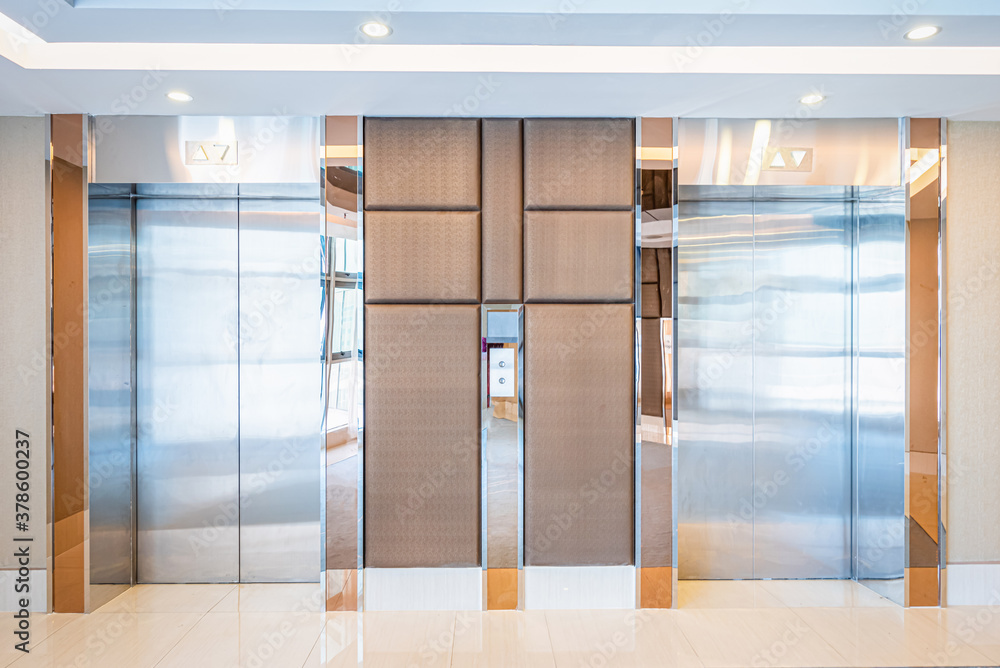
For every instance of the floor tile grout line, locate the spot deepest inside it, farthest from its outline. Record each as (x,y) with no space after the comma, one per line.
(81,616)
(454,630)
(548,632)
(321,637)
(951,636)
(184,635)
(819,633)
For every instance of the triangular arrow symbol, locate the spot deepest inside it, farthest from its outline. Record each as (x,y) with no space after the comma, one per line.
(778,160)
(200,154)
(797,156)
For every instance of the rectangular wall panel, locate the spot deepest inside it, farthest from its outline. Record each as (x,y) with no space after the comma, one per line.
(714,390)
(422,164)
(422,436)
(280,407)
(579,164)
(579,256)
(188,390)
(579,434)
(503,209)
(419,256)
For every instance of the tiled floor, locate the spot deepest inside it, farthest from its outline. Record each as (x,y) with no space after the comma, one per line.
(719,624)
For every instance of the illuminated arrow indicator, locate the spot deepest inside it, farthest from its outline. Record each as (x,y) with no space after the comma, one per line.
(211,153)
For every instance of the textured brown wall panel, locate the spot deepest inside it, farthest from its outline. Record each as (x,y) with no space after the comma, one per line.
(421,256)
(576,256)
(579,163)
(579,434)
(422,436)
(503,208)
(424,164)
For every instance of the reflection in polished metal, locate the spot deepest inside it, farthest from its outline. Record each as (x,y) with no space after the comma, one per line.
(280,373)
(343,389)
(228,369)
(502,379)
(152,149)
(655,454)
(766,381)
(801,388)
(881,401)
(714,389)
(724,152)
(188,390)
(111,391)
(925,537)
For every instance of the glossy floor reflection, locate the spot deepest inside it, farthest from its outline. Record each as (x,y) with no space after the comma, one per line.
(766,624)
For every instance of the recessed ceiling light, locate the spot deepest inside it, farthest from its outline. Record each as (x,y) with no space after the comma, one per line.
(812,98)
(179,96)
(923,32)
(376,29)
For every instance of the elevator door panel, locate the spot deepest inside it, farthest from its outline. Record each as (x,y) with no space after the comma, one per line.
(802,389)
(714,393)
(280,379)
(187,390)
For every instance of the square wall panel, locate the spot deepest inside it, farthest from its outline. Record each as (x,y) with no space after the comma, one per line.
(579,256)
(422,438)
(421,164)
(422,256)
(579,436)
(579,163)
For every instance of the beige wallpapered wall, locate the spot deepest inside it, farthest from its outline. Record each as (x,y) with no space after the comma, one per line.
(973,331)
(24,360)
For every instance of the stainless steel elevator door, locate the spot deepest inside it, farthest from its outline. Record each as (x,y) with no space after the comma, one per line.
(764,385)
(110,396)
(715,390)
(187,390)
(802,389)
(280,381)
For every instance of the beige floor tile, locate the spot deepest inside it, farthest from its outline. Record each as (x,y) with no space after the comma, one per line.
(823,594)
(112,640)
(728,594)
(422,639)
(42,626)
(282,597)
(978,627)
(337,646)
(776,637)
(168,598)
(889,637)
(259,639)
(618,638)
(502,638)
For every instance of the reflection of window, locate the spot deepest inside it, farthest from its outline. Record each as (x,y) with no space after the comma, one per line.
(345,328)
(345,255)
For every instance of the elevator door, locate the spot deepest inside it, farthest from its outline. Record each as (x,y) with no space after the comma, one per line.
(764,385)
(228,387)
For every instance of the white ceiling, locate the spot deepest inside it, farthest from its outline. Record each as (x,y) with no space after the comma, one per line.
(729,58)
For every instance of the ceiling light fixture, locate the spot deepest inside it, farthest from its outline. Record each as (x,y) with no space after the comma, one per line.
(812,98)
(179,96)
(923,32)
(376,29)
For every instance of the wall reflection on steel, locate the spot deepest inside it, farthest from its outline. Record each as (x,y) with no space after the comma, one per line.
(343,385)
(656,456)
(502,465)
(925,452)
